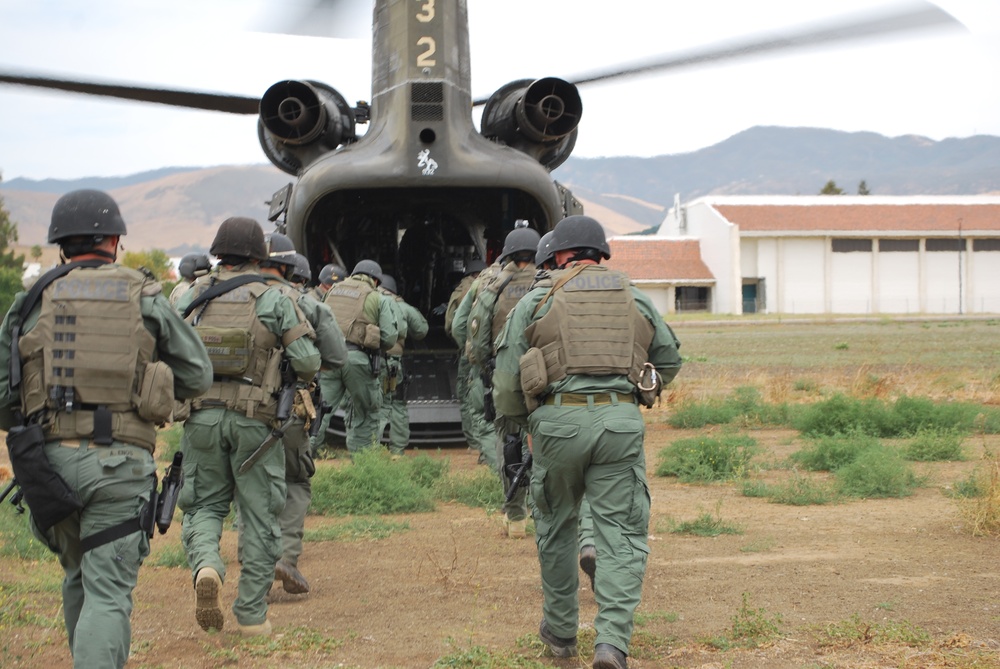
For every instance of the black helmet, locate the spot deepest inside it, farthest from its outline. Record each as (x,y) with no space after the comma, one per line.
(331,274)
(389,283)
(473,266)
(85,213)
(579,232)
(302,272)
(518,240)
(369,267)
(240,236)
(544,253)
(280,250)
(194,265)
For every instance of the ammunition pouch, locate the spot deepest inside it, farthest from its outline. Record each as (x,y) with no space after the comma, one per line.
(156,395)
(372,337)
(534,377)
(229,349)
(47,494)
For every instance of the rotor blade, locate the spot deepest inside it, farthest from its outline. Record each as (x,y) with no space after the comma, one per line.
(232,104)
(858,27)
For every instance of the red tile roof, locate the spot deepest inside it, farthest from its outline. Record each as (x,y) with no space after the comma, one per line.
(658,259)
(916,218)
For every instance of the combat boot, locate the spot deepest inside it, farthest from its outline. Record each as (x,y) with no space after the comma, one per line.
(607,656)
(558,646)
(207,611)
(291,580)
(516,529)
(263,629)
(588,563)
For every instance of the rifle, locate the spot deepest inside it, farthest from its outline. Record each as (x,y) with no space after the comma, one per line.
(173,480)
(16,499)
(489,407)
(284,415)
(516,463)
(322,409)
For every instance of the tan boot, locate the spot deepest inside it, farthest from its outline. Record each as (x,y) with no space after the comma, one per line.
(588,563)
(516,529)
(207,611)
(263,629)
(291,580)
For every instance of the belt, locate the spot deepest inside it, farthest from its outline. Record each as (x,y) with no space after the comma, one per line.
(582,400)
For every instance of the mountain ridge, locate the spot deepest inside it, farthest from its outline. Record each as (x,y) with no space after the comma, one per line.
(627,194)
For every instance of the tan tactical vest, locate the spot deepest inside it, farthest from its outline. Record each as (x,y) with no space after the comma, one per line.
(592,326)
(90,350)
(515,287)
(456,299)
(245,355)
(347,301)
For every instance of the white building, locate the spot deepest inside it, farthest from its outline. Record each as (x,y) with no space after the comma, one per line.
(845,254)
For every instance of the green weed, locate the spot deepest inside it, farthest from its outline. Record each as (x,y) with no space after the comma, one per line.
(478,488)
(705,525)
(16,539)
(750,628)
(480,657)
(743,406)
(854,629)
(367,528)
(168,442)
(707,459)
(642,618)
(877,472)
(934,445)
(169,555)
(830,453)
(374,484)
(292,643)
(798,491)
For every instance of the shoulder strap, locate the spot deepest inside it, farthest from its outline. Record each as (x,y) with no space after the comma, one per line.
(559,283)
(35,294)
(220,288)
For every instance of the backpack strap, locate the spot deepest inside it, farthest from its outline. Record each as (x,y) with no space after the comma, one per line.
(221,288)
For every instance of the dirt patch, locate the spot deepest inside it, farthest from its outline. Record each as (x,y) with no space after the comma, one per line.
(453,582)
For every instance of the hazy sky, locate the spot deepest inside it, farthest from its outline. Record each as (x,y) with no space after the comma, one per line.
(940,84)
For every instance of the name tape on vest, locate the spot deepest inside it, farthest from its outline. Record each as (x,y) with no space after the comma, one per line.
(595,282)
(113,290)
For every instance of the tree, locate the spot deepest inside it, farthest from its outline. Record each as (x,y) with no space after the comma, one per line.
(156,261)
(831,189)
(36,252)
(863,188)
(11,265)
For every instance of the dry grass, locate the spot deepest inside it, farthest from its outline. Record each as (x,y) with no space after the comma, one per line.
(981,513)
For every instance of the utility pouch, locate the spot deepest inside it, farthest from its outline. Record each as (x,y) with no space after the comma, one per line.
(229,349)
(372,338)
(49,497)
(534,378)
(156,396)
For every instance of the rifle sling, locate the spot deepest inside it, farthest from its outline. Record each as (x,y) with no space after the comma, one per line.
(560,282)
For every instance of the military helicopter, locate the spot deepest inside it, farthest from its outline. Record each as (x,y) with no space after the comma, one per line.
(423,191)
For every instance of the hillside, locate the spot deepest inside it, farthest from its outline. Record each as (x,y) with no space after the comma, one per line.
(179,209)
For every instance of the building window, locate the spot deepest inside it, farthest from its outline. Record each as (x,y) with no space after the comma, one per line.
(692,298)
(852,246)
(898,245)
(986,244)
(953,245)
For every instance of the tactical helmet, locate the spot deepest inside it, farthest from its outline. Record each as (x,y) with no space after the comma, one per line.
(475,265)
(521,239)
(302,272)
(389,283)
(544,253)
(240,236)
(280,250)
(331,274)
(579,232)
(194,265)
(85,213)
(369,267)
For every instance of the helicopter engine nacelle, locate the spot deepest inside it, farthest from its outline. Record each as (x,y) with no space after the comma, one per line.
(539,118)
(302,120)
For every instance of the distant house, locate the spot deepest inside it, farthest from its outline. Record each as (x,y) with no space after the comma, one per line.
(670,271)
(841,254)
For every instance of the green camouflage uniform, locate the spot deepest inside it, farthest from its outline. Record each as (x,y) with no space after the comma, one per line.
(481,435)
(113,482)
(299,465)
(412,326)
(355,379)
(594,448)
(217,440)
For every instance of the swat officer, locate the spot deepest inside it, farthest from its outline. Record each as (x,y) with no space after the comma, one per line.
(302,273)
(494,300)
(329,275)
(576,389)
(261,345)
(368,320)
(190,268)
(96,343)
(412,325)
(468,387)
(281,266)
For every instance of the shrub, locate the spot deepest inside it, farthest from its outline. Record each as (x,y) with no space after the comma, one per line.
(934,445)
(479,488)
(981,512)
(799,491)
(706,459)
(372,484)
(877,472)
(831,453)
